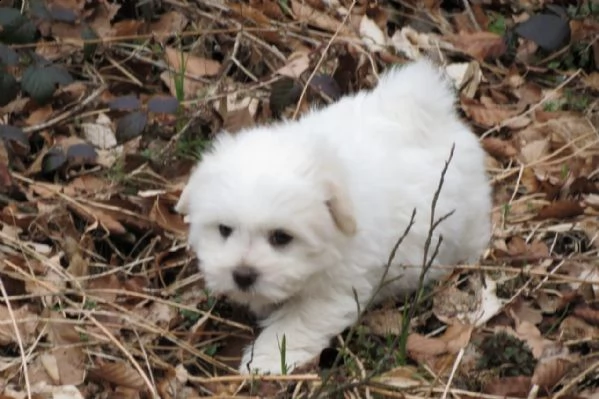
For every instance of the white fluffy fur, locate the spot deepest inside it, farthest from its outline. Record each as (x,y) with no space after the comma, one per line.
(343,181)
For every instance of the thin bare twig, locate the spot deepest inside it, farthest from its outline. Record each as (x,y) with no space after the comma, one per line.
(19,339)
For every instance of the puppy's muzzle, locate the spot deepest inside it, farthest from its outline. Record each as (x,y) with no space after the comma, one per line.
(244,276)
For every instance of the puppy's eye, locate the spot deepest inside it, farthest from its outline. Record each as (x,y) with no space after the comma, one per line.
(279,238)
(224,230)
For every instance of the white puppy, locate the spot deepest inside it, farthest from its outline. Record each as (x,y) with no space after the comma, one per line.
(291,218)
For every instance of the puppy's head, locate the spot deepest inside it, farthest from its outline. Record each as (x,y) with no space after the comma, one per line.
(267,212)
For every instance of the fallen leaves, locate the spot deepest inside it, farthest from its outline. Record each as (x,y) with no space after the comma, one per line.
(480,45)
(92,253)
(17,325)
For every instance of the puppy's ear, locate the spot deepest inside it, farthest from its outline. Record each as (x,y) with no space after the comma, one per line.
(182,206)
(341,209)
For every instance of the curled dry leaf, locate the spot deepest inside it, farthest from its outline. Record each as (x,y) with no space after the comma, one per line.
(401,377)
(457,336)
(466,77)
(588,313)
(372,35)
(119,373)
(412,43)
(498,148)
(562,209)
(419,346)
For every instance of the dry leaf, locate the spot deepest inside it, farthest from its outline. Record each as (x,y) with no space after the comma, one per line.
(70,359)
(304,13)
(372,35)
(39,115)
(24,319)
(419,346)
(517,387)
(487,115)
(474,305)
(588,313)
(167,220)
(499,148)
(534,151)
(94,215)
(457,336)
(119,373)
(562,209)
(550,370)
(101,133)
(169,23)
(297,63)
(191,65)
(481,45)
(401,377)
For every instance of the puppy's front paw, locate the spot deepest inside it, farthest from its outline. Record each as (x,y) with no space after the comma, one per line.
(268,359)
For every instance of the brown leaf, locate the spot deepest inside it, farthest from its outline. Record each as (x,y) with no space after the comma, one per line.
(574,328)
(94,215)
(549,371)
(418,346)
(237,120)
(508,386)
(487,115)
(499,148)
(127,27)
(401,377)
(534,150)
(306,14)
(561,209)
(190,64)
(25,320)
(244,12)
(39,115)
(119,373)
(588,313)
(481,45)
(592,80)
(457,336)
(167,220)
(69,358)
(5,177)
(78,266)
(169,23)
(270,8)
(297,63)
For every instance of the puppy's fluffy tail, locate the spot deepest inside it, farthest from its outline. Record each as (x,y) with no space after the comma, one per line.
(418,91)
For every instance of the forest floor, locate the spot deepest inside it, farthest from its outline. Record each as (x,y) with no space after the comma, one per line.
(106,106)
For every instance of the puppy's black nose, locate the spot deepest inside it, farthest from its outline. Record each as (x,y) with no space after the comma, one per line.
(244,276)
